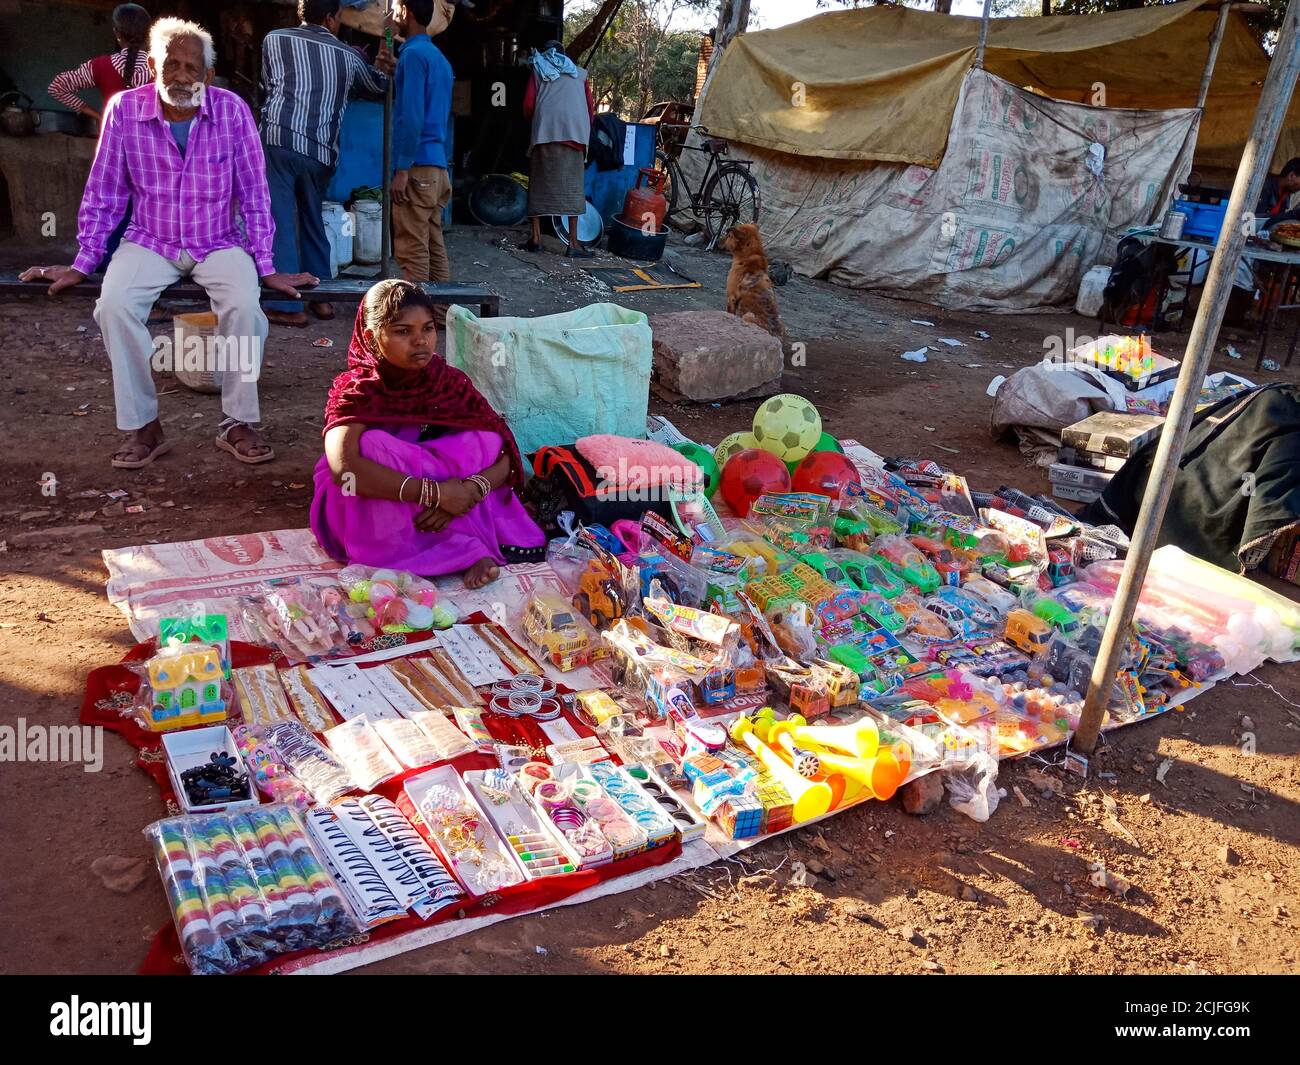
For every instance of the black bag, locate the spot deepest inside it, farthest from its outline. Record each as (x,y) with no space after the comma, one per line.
(608,133)
(562,472)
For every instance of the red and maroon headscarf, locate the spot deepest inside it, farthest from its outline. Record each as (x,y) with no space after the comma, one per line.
(373,392)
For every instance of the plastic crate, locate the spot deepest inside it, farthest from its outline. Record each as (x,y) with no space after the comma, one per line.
(1204,220)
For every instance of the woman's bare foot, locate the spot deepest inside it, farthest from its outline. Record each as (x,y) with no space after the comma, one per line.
(145,445)
(483,572)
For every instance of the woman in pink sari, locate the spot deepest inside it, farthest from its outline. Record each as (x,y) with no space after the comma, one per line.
(419,471)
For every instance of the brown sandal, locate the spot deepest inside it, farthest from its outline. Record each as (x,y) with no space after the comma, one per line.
(248,460)
(161,449)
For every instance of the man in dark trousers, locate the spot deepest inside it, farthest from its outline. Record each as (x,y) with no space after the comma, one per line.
(421,186)
(307,76)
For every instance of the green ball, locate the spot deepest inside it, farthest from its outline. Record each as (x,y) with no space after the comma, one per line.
(826,442)
(703,458)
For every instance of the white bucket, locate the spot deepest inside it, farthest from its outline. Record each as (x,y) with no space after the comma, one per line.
(368,220)
(338,228)
(1091,290)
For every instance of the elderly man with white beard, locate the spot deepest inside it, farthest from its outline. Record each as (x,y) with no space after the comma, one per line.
(188,157)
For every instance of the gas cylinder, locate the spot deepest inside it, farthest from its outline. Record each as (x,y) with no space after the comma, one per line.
(648,200)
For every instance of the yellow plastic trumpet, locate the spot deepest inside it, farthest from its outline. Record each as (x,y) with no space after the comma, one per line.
(861,739)
(811,798)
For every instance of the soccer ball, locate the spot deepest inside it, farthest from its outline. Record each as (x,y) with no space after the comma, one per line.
(788,426)
(703,458)
(732,443)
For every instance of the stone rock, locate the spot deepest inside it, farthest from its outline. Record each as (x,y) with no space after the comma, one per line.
(969,894)
(922,795)
(118,873)
(1228,856)
(706,355)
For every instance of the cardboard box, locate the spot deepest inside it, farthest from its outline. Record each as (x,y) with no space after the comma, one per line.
(1069,456)
(1081,476)
(193,747)
(1113,433)
(1074,493)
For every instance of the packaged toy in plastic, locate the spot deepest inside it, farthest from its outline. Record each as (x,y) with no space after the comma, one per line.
(181,686)
(244,888)
(395,601)
(299,620)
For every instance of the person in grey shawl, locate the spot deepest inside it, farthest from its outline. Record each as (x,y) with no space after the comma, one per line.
(559,103)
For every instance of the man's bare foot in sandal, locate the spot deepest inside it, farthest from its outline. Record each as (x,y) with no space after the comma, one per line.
(145,445)
(483,572)
(242,441)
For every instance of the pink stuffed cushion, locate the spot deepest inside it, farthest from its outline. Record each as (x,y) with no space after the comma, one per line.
(629,463)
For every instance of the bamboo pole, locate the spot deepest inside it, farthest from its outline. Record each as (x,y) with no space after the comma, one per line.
(1258,153)
(984,35)
(1215,40)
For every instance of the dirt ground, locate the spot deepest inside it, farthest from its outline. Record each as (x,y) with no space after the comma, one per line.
(1211,851)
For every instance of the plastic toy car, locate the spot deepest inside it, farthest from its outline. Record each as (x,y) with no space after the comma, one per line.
(553,628)
(824,565)
(655,567)
(920,621)
(941,557)
(1027,631)
(870,574)
(1060,567)
(881,611)
(1056,614)
(980,613)
(840,607)
(908,562)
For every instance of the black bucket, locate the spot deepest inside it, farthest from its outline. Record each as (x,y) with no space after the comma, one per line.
(631,243)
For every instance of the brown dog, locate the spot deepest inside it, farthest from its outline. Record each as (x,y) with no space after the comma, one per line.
(750,296)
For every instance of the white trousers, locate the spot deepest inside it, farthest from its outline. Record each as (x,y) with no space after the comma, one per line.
(133,281)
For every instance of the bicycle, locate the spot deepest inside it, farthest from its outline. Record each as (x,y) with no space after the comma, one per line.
(727,195)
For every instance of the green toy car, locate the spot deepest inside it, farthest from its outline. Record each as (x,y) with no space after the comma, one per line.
(1060,617)
(870,574)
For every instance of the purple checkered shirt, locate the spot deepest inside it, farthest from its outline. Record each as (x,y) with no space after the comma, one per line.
(191,204)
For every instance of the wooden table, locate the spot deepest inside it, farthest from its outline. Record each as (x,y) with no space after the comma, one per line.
(1264,265)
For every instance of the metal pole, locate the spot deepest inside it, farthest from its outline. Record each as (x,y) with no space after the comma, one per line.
(386,196)
(984,35)
(1255,158)
(1215,41)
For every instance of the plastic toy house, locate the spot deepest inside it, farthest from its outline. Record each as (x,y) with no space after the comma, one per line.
(186,682)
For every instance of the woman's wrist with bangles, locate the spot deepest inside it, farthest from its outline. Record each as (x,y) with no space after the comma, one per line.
(430,492)
(483,485)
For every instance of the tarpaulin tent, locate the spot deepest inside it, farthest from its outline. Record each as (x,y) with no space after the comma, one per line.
(886,161)
(882,83)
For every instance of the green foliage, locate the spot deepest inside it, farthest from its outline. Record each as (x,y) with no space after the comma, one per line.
(646,55)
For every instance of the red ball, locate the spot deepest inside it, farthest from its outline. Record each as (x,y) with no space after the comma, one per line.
(750,473)
(825,473)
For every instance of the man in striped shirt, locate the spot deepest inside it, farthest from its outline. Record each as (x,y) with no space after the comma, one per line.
(307,76)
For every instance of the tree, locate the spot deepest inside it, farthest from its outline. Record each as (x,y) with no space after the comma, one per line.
(641,58)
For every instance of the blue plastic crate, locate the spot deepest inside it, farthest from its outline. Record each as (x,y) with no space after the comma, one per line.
(1204,220)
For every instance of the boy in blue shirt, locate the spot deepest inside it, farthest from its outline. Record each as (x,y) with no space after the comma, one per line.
(421,187)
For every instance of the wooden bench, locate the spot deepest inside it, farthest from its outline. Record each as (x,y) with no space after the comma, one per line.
(337,290)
